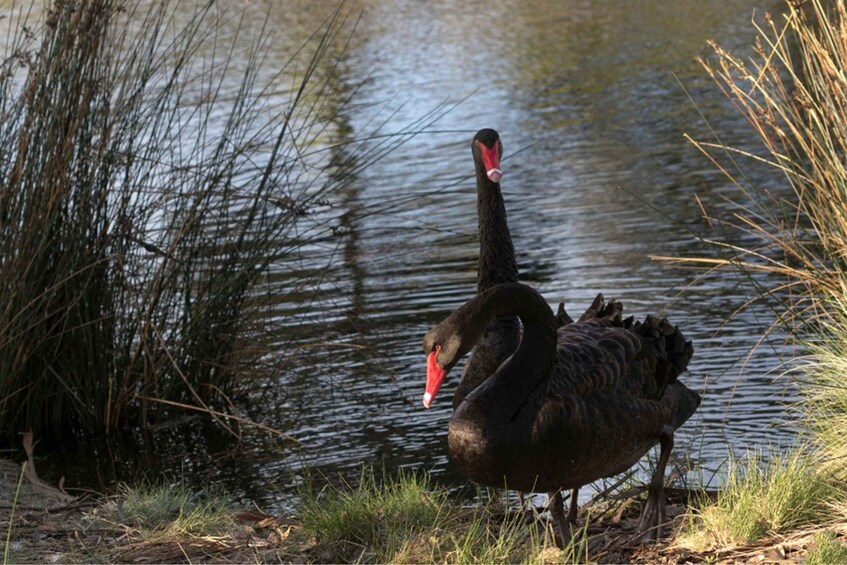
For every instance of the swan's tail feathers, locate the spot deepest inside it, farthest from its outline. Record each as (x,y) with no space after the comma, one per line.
(594,309)
(680,403)
(610,312)
(673,350)
(562,317)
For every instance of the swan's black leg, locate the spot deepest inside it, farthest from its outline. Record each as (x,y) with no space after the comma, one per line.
(651,526)
(574,507)
(561,527)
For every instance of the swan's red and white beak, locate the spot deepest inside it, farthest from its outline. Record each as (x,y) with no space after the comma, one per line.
(491,160)
(434,377)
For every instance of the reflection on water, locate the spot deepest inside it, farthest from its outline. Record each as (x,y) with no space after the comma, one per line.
(586,98)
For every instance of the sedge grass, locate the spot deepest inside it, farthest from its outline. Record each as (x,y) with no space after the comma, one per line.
(790,101)
(827,550)
(129,247)
(826,393)
(174,510)
(379,518)
(788,235)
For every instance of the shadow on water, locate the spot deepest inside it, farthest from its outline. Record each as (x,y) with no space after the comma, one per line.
(585,96)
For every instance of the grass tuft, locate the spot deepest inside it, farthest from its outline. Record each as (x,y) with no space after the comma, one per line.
(787,235)
(383,518)
(175,510)
(406,519)
(761,499)
(826,393)
(827,550)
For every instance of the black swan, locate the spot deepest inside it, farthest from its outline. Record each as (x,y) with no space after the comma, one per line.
(496,263)
(573,404)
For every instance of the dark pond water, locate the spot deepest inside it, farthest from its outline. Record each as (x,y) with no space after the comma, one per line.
(587,98)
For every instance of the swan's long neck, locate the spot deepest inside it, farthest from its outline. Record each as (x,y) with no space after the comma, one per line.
(496,265)
(530,366)
(496,253)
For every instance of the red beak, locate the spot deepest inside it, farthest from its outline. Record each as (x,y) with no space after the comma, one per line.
(491,160)
(434,377)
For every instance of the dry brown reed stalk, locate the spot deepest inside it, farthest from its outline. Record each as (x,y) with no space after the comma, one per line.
(790,94)
(793,94)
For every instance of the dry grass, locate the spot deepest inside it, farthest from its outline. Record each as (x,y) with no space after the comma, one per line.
(792,95)
(790,242)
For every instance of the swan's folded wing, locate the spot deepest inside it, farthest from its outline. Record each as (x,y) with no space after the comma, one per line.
(641,358)
(593,357)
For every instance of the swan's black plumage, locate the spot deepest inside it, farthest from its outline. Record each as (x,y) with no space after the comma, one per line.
(574,403)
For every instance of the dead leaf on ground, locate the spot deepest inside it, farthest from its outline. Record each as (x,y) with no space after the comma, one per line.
(37,484)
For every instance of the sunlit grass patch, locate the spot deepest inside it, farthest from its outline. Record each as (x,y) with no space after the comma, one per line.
(407,519)
(827,550)
(489,534)
(826,393)
(375,517)
(761,499)
(174,510)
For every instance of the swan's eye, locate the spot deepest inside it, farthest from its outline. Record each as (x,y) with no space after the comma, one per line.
(437,348)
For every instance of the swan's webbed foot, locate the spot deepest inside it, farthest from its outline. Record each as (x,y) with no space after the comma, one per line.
(651,527)
(561,526)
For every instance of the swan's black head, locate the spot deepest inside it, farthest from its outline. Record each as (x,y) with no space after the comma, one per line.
(441,347)
(487,151)
(447,343)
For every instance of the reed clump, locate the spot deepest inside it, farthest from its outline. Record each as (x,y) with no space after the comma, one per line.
(787,236)
(149,184)
(789,92)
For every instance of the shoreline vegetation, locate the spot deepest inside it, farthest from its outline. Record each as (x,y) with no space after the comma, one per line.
(136,231)
(402,518)
(155,176)
(124,304)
